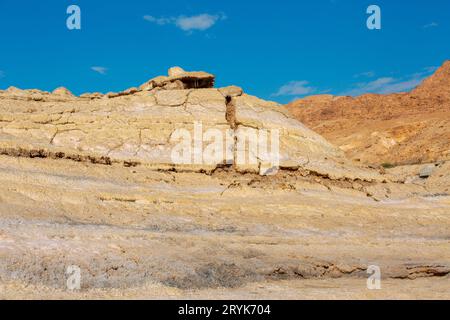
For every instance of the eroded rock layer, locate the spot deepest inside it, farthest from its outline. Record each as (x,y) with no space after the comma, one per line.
(90,182)
(136,128)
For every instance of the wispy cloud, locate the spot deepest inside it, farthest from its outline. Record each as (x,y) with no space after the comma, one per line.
(2,74)
(160,21)
(101,70)
(199,22)
(430,25)
(368,74)
(295,88)
(383,86)
(430,69)
(386,85)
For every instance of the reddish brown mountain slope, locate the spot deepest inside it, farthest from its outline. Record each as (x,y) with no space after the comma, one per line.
(398,128)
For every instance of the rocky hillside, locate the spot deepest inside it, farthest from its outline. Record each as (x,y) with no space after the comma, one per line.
(136,127)
(89,183)
(403,128)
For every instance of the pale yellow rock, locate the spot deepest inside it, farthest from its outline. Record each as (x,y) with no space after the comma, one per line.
(180,79)
(91,182)
(231,91)
(171,97)
(176,71)
(62,92)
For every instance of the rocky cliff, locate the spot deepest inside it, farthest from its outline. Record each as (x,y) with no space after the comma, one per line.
(402,128)
(136,127)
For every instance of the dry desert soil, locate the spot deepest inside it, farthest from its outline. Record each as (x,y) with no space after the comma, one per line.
(89,182)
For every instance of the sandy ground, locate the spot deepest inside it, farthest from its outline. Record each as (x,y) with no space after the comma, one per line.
(328,289)
(136,233)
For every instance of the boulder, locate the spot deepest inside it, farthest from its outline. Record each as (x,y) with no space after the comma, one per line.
(176,71)
(179,79)
(426,171)
(231,91)
(61,91)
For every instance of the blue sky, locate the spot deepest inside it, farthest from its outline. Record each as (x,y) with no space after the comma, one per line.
(277,50)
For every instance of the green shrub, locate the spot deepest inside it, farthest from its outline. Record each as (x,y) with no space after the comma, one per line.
(388,165)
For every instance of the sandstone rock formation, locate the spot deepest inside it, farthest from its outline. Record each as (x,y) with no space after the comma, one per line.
(180,79)
(90,182)
(133,128)
(403,128)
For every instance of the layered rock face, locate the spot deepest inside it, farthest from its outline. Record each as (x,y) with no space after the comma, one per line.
(140,126)
(92,182)
(405,128)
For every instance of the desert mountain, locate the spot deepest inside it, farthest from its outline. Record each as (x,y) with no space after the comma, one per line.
(402,128)
(89,183)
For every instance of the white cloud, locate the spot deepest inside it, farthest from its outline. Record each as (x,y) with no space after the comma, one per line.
(431,25)
(101,70)
(295,88)
(160,21)
(430,69)
(386,85)
(199,22)
(368,74)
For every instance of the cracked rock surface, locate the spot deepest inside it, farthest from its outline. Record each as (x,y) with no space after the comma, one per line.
(89,181)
